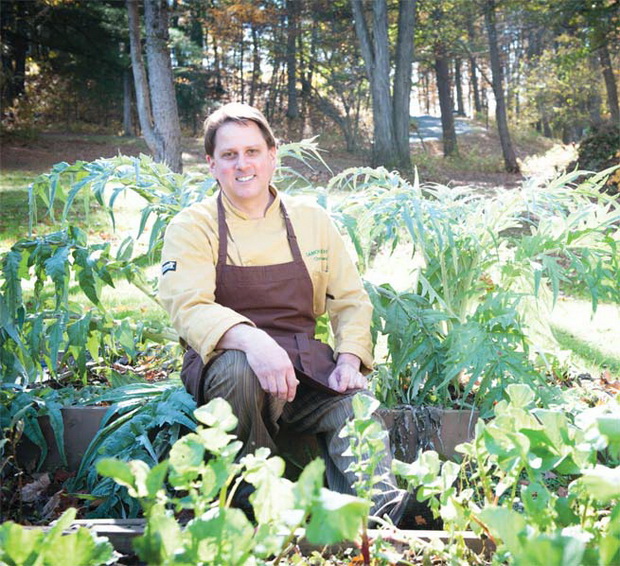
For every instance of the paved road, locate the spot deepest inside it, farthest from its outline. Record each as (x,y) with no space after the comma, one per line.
(429,128)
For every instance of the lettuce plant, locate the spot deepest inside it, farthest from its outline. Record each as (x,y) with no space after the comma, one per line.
(532,482)
(201,476)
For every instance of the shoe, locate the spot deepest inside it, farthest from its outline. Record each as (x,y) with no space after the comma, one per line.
(413,515)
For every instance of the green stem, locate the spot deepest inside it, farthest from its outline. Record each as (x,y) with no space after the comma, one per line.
(290,539)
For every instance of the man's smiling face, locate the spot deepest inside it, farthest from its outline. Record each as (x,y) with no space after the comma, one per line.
(243,164)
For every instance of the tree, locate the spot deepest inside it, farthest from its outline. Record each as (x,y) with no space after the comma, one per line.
(292,108)
(332,71)
(390,112)
(61,60)
(157,105)
(441,36)
(510,159)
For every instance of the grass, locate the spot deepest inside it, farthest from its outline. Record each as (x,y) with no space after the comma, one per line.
(590,338)
(587,355)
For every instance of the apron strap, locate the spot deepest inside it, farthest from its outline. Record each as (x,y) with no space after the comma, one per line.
(222,229)
(290,234)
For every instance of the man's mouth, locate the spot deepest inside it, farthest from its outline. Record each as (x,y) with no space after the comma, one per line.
(246,178)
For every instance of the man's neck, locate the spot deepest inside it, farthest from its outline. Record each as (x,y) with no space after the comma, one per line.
(253,210)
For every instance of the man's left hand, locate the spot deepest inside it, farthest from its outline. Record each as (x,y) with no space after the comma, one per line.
(346,374)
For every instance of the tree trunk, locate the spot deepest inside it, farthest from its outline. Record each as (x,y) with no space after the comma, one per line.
(219,86)
(128,129)
(460,106)
(594,97)
(473,75)
(375,53)
(292,110)
(157,106)
(402,81)
(442,72)
(255,66)
(510,160)
(241,81)
(610,83)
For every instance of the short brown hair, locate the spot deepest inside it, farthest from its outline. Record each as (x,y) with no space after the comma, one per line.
(235,112)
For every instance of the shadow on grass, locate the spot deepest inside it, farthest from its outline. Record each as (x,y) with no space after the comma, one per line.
(588,352)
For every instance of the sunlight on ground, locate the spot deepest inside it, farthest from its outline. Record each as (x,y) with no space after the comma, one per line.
(545,166)
(600,329)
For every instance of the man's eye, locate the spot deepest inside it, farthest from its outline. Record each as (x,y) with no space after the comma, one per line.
(227,155)
(252,151)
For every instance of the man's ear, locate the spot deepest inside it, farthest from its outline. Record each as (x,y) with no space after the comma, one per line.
(210,162)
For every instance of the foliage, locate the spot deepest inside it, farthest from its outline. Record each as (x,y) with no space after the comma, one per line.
(483,270)
(142,423)
(600,150)
(367,448)
(203,473)
(20,546)
(20,411)
(558,87)
(41,328)
(537,482)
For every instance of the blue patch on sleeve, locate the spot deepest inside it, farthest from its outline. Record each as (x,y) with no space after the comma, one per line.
(168,266)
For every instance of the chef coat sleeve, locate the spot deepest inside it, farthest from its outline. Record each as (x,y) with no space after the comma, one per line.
(187,283)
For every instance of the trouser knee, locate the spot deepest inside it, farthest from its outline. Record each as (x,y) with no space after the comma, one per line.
(231,378)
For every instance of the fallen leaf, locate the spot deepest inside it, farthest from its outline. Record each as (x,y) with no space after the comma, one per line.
(30,492)
(51,505)
(419,520)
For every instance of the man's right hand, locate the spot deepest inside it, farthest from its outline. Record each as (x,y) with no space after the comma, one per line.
(266,357)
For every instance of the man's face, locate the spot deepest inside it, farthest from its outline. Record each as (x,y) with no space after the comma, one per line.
(243,165)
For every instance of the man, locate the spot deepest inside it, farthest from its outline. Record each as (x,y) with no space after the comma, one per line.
(245,274)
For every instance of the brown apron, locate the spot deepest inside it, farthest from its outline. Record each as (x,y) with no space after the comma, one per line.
(279,300)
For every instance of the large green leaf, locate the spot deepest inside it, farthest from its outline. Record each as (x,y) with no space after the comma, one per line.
(336,517)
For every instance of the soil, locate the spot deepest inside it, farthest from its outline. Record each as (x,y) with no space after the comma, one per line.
(40,154)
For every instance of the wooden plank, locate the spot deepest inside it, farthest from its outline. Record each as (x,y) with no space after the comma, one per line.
(121,532)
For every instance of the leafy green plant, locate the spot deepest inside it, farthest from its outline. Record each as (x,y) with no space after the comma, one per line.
(203,474)
(600,150)
(367,448)
(20,546)
(20,411)
(143,423)
(485,269)
(506,486)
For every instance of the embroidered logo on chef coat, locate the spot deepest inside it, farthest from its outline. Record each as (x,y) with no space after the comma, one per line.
(168,266)
(318,254)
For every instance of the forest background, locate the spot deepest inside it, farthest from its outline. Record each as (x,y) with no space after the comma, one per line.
(530,80)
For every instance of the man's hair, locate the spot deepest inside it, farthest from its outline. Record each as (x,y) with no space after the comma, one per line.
(240,113)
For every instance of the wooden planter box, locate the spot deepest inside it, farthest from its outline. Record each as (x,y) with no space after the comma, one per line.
(412,430)
(415,429)
(121,533)
(81,425)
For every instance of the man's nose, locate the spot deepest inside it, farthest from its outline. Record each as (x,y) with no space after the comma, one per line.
(241,161)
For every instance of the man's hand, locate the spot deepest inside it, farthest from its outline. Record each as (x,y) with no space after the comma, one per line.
(346,374)
(268,360)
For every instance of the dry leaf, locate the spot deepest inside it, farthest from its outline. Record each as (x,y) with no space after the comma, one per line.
(51,505)
(419,520)
(30,492)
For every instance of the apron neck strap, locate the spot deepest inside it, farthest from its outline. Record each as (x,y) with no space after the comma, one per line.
(222,229)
